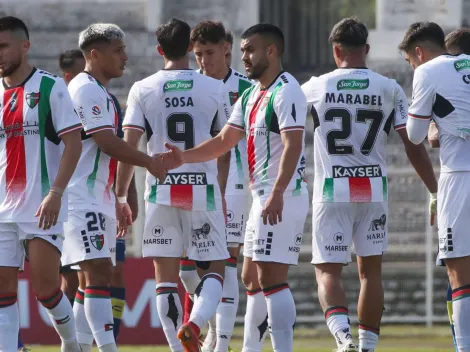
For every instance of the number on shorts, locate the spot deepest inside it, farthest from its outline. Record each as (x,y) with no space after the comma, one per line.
(180,127)
(92,224)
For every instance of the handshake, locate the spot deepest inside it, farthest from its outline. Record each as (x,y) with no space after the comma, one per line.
(163,162)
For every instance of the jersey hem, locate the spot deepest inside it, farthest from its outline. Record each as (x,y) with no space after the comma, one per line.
(69,129)
(133,127)
(292,128)
(98,129)
(422,117)
(237,127)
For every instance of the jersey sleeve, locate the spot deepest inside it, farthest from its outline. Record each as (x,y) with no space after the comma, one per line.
(308,89)
(135,118)
(423,96)
(63,114)
(401,108)
(91,103)
(290,106)
(223,110)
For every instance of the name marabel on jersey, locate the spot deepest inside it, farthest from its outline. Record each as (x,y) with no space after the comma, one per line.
(347,98)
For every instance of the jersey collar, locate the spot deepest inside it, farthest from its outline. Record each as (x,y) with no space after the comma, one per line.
(274,80)
(229,73)
(33,71)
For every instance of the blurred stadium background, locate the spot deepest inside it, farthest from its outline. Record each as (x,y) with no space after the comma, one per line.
(414,287)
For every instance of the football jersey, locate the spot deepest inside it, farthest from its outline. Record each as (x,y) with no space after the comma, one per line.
(184,108)
(237,181)
(441,91)
(92,182)
(353,111)
(263,114)
(34,115)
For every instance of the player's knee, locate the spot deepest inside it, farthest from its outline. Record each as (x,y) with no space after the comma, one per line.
(44,285)
(8,279)
(99,273)
(70,284)
(370,268)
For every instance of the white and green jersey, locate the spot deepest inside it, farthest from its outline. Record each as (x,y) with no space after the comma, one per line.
(184,108)
(34,115)
(92,182)
(263,114)
(237,181)
(353,111)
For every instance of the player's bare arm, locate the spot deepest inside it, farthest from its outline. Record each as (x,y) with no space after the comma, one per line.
(133,199)
(48,211)
(210,149)
(292,142)
(433,136)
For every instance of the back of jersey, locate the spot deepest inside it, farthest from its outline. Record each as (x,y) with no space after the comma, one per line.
(353,111)
(184,108)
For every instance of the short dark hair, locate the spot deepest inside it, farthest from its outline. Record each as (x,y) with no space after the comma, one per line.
(459,38)
(349,32)
(229,36)
(422,31)
(173,37)
(267,30)
(98,33)
(68,58)
(212,32)
(13,24)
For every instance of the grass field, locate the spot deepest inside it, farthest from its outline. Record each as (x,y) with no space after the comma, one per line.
(393,339)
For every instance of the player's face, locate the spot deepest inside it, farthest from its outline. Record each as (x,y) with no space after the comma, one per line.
(228,55)
(254,56)
(12,51)
(413,60)
(210,57)
(78,67)
(112,58)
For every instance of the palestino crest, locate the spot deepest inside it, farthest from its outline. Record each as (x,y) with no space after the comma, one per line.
(32,99)
(97,241)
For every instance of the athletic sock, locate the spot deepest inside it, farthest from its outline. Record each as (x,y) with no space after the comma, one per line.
(228,306)
(118,301)
(256,321)
(9,321)
(281,316)
(461,312)
(84,333)
(170,313)
(449,312)
(61,314)
(99,314)
(368,338)
(190,279)
(208,293)
(337,320)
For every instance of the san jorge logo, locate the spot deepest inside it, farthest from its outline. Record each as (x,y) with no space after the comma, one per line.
(353,84)
(460,65)
(179,85)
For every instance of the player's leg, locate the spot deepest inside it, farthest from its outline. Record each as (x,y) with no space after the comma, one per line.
(256,316)
(208,247)
(163,241)
(449,312)
(276,247)
(11,259)
(117,287)
(454,247)
(44,258)
(332,226)
(69,283)
(89,240)
(370,240)
(190,279)
(84,333)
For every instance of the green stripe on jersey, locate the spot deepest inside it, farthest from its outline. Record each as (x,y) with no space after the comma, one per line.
(153,194)
(238,159)
(92,177)
(210,199)
(242,86)
(385,187)
(44,112)
(328,190)
(245,97)
(267,118)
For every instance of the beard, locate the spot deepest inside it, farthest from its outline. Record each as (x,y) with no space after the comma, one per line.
(9,69)
(258,70)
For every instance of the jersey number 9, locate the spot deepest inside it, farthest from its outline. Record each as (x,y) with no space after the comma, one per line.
(180,128)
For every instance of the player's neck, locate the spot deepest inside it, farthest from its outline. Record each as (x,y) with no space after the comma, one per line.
(97,74)
(269,75)
(222,73)
(182,64)
(352,63)
(19,76)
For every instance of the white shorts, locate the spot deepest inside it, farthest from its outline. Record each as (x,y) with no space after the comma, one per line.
(89,235)
(278,243)
(453,215)
(335,226)
(13,236)
(170,231)
(237,214)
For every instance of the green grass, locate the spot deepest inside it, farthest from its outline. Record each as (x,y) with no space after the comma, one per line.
(393,339)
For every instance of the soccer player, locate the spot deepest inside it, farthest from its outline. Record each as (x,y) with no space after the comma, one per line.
(36,117)
(354,110)
(272,114)
(210,45)
(184,212)
(441,87)
(91,229)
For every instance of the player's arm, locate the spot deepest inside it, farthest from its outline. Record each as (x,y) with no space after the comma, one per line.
(292,142)
(68,128)
(133,199)
(433,136)
(125,171)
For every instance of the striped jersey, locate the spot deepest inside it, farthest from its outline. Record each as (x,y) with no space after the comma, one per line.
(441,91)
(237,181)
(353,111)
(34,115)
(92,182)
(184,108)
(263,114)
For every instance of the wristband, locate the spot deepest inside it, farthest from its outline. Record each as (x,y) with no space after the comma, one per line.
(433,196)
(57,191)
(122,200)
